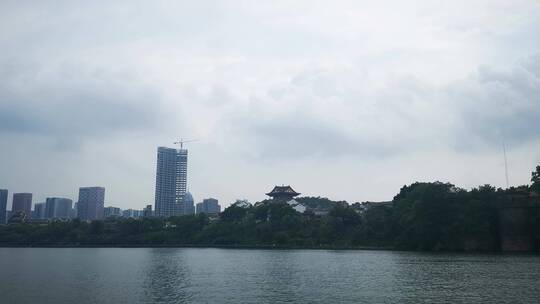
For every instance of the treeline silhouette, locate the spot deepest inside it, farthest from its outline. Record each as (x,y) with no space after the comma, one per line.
(422,216)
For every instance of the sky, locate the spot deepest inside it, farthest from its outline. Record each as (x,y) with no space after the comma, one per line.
(348,100)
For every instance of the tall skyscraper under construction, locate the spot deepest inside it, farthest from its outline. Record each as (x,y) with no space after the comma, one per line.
(171,181)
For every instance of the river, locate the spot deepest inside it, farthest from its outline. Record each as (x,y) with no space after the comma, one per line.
(198,275)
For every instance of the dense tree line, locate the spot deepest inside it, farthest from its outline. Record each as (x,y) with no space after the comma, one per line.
(422,216)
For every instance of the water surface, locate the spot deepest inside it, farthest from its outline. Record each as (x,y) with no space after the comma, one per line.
(181,275)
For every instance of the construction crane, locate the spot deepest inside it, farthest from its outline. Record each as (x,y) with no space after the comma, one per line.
(181,142)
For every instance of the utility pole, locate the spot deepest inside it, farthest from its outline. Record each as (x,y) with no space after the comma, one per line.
(505,166)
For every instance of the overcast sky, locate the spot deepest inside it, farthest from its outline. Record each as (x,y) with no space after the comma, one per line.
(344,99)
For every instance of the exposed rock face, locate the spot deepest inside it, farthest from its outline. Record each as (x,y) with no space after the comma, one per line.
(518,220)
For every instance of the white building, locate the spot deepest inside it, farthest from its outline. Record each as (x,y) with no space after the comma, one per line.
(242,204)
(297,206)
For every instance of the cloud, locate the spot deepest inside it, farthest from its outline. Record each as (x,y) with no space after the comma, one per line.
(331,112)
(69,103)
(322,87)
(498,105)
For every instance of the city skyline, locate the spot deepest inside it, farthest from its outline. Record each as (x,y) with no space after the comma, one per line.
(357,99)
(182,189)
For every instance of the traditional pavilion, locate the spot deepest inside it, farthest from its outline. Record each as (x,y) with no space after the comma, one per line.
(282,193)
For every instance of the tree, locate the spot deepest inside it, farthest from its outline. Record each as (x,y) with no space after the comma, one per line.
(97,227)
(346,215)
(535,179)
(233,214)
(423,212)
(376,228)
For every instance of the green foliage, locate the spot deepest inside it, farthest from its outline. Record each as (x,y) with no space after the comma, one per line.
(345,215)
(233,214)
(97,227)
(535,180)
(320,202)
(377,227)
(439,216)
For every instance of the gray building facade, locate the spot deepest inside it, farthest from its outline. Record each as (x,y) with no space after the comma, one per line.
(112,212)
(39,211)
(91,203)
(58,207)
(3,206)
(209,206)
(147,211)
(171,181)
(189,207)
(131,213)
(22,202)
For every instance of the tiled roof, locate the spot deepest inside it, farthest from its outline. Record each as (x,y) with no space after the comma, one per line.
(281,190)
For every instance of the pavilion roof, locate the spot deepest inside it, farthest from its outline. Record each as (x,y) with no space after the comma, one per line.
(282,190)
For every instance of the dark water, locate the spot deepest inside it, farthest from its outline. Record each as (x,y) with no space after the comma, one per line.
(170,275)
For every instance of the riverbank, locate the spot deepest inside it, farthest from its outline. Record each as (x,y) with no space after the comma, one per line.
(105,245)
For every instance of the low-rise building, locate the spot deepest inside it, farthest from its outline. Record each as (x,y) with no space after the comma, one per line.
(131,213)
(112,212)
(242,204)
(298,207)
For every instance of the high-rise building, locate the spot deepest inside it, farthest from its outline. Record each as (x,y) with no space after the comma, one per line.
(209,206)
(90,204)
(3,206)
(22,202)
(171,181)
(39,211)
(58,207)
(189,207)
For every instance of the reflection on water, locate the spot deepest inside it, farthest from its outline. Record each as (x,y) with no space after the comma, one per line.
(166,277)
(176,275)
